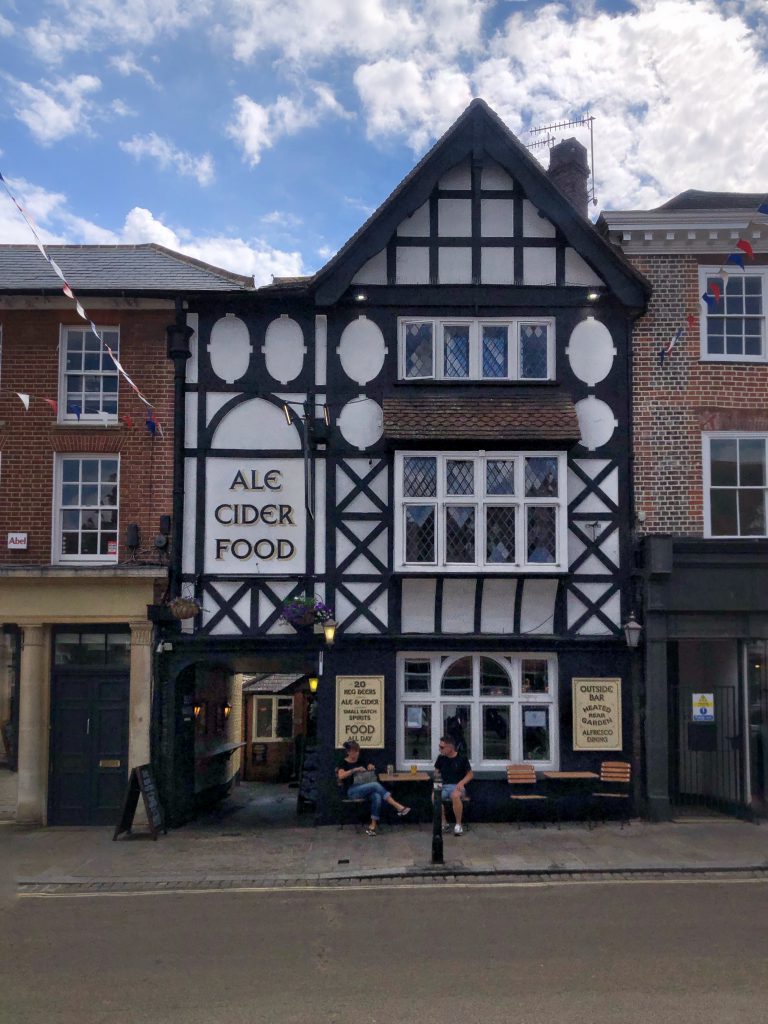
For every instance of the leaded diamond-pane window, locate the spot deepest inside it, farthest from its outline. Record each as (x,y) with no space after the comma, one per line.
(495,350)
(542,534)
(500,476)
(459,533)
(460,476)
(541,478)
(500,534)
(419,350)
(456,351)
(533,352)
(420,533)
(419,477)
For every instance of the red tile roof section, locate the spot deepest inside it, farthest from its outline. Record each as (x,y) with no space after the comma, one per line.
(542,417)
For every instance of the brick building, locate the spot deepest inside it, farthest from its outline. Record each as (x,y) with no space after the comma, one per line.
(700,430)
(84,486)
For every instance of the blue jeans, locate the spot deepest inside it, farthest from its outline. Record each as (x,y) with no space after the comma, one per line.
(375,791)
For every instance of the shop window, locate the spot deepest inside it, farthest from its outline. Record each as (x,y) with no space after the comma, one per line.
(272,718)
(88,375)
(92,647)
(497,707)
(477,349)
(735,481)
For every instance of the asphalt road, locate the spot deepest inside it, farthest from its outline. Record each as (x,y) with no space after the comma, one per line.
(592,953)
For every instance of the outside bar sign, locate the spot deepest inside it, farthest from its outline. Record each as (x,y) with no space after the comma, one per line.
(360,710)
(596,714)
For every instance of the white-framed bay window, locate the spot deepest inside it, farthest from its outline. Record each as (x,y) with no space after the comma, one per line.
(733,327)
(735,470)
(88,379)
(477,349)
(502,511)
(86,507)
(499,708)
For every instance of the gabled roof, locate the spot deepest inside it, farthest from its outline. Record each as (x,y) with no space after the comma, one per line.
(149,268)
(695,199)
(479,129)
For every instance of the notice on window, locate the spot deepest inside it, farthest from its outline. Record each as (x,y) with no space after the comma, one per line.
(535,719)
(597,714)
(360,710)
(414,718)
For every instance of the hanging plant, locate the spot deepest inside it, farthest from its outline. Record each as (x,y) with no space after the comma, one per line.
(184,607)
(305,611)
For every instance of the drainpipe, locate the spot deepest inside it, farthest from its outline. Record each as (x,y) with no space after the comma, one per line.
(177,342)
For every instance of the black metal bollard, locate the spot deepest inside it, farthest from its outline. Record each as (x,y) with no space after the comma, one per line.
(437,821)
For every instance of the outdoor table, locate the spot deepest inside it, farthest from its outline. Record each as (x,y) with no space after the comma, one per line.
(568,786)
(402,778)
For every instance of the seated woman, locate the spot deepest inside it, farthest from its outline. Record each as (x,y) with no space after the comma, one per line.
(352,765)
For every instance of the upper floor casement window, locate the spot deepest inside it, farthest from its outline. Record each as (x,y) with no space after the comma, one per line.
(499,511)
(734,325)
(88,376)
(735,481)
(86,508)
(488,349)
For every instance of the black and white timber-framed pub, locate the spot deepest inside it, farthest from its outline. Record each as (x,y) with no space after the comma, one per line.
(431,436)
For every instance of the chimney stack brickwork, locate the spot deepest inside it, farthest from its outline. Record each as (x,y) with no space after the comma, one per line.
(569,170)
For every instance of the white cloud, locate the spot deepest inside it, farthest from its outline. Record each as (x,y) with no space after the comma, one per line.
(59,109)
(122,109)
(166,155)
(125,64)
(256,127)
(282,219)
(6,27)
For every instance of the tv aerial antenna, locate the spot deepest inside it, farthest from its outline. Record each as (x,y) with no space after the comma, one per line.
(549,139)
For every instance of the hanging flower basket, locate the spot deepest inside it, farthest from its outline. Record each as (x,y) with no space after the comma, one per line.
(305,612)
(184,607)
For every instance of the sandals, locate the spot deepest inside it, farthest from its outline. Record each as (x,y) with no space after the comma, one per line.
(371,832)
(405,810)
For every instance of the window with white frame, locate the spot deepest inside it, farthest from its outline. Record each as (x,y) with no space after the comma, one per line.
(86,508)
(735,481)
(734,324)
(499,510)
(497,707)
(272,718)
(88,382)
(487,349)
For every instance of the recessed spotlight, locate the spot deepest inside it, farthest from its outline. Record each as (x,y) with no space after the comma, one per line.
(359,296)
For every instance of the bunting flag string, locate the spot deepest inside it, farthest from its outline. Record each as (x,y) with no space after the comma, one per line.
(67,290)
(715,294)
(75,408)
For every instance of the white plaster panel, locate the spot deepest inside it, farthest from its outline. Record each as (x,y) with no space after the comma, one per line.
(417,225)
(454,217)
(191,368)
(361,422)
(537,611)
(497,265)
(284,349)
(190,516)
(412,265)
(497,218)
(459,606)
(190,420)
(459,176)
(596,422)
(497,611)
(321,350)
(374,271)
(591,351)
(575,546)
(592,503)
(266,607)
(230,348)
(494,176)
(320,539)
(378,606)
(454,265)
(609,545)
(378,547)
(362,350)
(418,606)
(535,226)
(211,608)
(575,608)
(214,401)
(539,266)
(594,627)
(257,425)
(578,271)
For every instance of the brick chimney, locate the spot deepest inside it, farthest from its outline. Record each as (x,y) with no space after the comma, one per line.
(569,170)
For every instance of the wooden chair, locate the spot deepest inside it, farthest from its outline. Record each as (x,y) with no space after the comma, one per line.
(615,777)
(522,780)
(349,808)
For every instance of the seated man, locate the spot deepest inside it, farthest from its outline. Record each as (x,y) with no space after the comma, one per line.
(455,771)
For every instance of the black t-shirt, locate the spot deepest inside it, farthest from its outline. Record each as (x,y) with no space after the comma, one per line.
(452,769)
(345,765)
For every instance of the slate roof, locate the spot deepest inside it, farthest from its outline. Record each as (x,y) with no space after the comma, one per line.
(695,199)
(540,417)
(113,268)
(274,682)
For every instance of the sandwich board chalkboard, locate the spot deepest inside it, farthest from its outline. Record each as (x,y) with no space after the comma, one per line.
(141,781)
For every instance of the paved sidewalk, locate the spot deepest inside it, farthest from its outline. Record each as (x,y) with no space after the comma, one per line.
(70,859)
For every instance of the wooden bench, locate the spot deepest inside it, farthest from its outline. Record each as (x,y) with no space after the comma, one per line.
(524,784)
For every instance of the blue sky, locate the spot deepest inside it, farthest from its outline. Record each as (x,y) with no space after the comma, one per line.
(259,134)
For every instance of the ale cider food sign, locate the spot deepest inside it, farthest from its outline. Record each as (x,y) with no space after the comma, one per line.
(597,714)
(360,710)
(255,517)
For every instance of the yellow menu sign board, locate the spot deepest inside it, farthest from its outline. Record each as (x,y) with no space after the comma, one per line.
(596,714)
(360,710)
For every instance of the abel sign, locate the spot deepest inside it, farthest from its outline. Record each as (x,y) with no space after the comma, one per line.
(255,518)
(596,714)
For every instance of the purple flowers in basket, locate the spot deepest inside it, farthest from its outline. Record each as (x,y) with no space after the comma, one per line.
(305,611)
